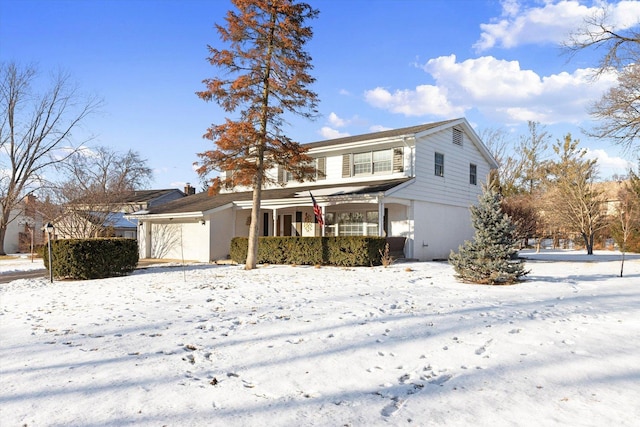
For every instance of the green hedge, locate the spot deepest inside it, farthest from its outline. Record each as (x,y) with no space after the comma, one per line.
(92,258)
(340,251)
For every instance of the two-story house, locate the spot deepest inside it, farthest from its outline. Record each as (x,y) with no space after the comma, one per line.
(414,184)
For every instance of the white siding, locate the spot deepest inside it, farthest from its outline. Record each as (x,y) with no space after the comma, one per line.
(334,166)
(179,241)
(220,234)
(453,188)
(439,229)
(399,222)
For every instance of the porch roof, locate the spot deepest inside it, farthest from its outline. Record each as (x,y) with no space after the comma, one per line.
(203,202)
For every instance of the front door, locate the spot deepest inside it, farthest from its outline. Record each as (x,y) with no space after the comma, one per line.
(288,220)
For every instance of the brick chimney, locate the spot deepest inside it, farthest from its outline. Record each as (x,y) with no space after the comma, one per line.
(189,190)
(30,205)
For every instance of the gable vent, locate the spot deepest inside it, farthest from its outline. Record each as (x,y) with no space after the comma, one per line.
(457,136)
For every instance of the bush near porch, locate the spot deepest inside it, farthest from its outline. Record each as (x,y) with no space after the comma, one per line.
(344,251)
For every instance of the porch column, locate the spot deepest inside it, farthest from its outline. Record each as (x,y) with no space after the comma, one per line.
(146,229)
(381,219)
(275,222)
(234,211)
(324,217)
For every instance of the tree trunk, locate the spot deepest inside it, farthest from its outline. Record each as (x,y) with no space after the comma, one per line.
(254,232)
(254,228)
(588,241)
(3,232)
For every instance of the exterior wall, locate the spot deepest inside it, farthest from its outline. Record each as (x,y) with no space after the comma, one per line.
(11,237)
(220,232)
(439,229)
(453,188)
(333,164)
(242,223)
(175,240)
(441,216)
(16,227)
(399,221)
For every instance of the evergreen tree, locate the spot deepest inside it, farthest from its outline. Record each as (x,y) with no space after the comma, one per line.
(491,257)
(264,76)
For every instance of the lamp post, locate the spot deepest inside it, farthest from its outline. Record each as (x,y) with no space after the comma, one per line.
(49,228)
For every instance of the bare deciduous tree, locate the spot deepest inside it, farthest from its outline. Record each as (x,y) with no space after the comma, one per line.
(524,214)
(533,148)
(95,186)
(573,203)
(618,112)
(626,222)
(34,128)
(506,177)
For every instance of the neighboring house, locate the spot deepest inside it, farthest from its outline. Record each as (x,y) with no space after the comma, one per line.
(105,221)
(413,184)
(24,232)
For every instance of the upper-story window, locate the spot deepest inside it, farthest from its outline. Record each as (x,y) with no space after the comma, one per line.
(382,161)
(319,163)
(373,162)
(439,164)
(457,136)
(473,174)
(361,163)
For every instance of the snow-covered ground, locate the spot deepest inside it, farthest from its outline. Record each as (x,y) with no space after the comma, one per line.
(20,263)
(209,345)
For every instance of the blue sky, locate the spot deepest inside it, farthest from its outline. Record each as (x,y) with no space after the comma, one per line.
(379,64)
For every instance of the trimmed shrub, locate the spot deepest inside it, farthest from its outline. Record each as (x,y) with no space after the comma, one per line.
(340,251)
(92,258)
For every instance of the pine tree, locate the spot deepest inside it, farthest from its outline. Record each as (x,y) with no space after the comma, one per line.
(265,75)
(491,257)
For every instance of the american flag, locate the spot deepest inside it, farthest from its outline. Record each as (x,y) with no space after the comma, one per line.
(317,211)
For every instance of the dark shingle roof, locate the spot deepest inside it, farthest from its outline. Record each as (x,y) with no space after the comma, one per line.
(378,135)
(140,196)
(203,202)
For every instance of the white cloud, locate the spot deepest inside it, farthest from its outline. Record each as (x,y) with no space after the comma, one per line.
(63,152)
(378,128)
(425,99)
(550,23)
(336,121)
(499,89)
(329,133)
(608,165)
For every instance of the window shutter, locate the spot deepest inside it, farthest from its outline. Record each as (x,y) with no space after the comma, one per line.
(281,174)
(346,165)
(322,168)
(398,160)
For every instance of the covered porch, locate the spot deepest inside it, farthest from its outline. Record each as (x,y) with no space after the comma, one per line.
(356,211)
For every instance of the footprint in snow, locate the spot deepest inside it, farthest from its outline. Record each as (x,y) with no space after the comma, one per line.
(484,347)
(393,408)
(441,379)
